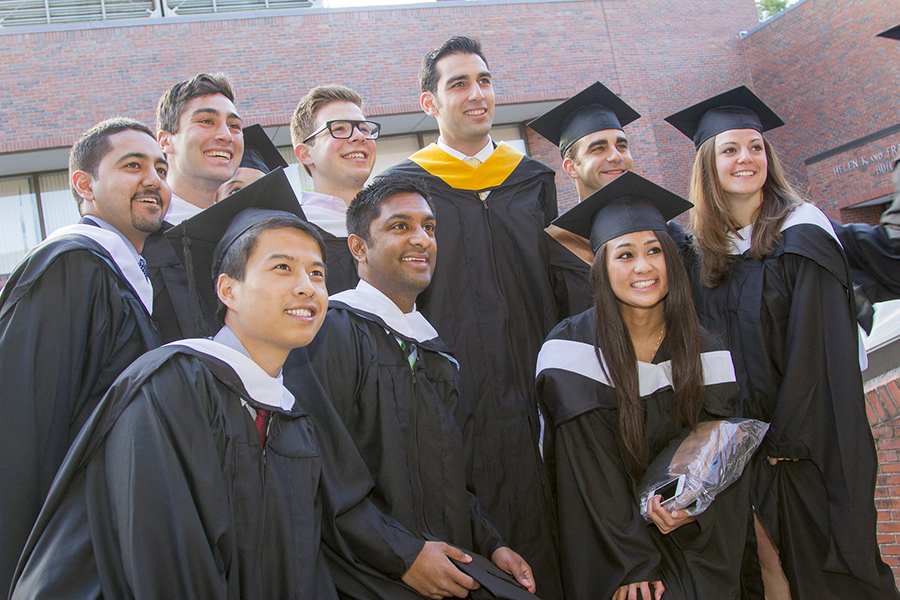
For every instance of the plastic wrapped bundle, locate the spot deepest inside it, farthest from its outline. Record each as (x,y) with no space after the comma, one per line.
(708,458)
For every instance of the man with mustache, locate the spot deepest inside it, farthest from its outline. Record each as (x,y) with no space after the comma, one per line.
(75,313)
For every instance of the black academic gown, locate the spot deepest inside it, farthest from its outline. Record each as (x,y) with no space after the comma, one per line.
(177,316)
(790,323)
(572,280)
(69,325)
(340,273)
(407,425)
(604,541)
(168,492)
(492,303)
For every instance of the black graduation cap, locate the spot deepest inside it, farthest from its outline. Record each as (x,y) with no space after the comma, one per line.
(491,577)
(196,240)
(893,33)
(259,151)
(629,203)
(594,108)
(735,109)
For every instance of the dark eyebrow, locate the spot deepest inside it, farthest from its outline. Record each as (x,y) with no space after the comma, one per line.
(215,113)
(130,155)
(406,217)
(457,78)
(293,259)
(630,245)
(621,139)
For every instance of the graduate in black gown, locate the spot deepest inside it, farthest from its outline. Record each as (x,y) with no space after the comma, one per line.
(199,475)
(772,280)
(396,387)
(588,128)
(74,313)
(178,313)
(335,145)
(491,298)
(618,383)
(200,131)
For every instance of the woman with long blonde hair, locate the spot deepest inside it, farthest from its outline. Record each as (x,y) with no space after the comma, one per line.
(772,280)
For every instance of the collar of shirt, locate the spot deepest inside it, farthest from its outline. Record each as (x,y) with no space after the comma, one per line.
(482,155)
(366,298)
(261,386)
(179,210)
(329,213)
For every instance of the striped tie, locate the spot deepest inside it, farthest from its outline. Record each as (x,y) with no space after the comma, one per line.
(412,355)
(143,265)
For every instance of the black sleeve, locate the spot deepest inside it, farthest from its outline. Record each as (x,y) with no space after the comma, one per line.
(874,258)
(158,486)
(55,340)
(326,378)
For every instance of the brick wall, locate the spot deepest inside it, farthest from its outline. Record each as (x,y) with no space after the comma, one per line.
(883,407)
(821,68)
(660,55)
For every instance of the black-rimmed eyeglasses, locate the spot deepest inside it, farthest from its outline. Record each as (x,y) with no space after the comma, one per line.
(343,129)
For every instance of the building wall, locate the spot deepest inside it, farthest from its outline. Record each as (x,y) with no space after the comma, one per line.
(821,68)
(659,55)
(883,405)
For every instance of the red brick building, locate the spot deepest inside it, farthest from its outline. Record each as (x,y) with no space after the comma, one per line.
(820,67)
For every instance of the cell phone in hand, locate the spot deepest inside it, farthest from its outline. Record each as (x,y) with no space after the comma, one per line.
(669,490)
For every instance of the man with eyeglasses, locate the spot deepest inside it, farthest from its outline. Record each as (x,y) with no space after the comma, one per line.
(336,145)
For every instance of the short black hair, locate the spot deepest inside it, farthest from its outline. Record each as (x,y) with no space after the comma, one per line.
(93,145)
(234,263)
(366,206)
(458,44)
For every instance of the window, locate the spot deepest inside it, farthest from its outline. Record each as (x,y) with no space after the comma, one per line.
(30,208)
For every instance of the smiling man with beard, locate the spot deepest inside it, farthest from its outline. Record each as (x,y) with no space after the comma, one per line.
(75,313)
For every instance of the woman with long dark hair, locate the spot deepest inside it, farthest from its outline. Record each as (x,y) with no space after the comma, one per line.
(772,279)
(617,383)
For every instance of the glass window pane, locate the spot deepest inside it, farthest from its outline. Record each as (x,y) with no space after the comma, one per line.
(297,176)
(510,135)
(57,202)
(20,228)
(392,150)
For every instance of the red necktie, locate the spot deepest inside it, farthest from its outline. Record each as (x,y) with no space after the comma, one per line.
(262,424)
